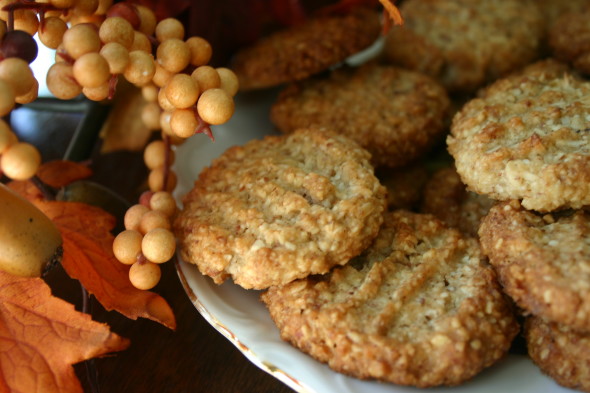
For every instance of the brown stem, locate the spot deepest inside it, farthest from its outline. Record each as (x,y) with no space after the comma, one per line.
(154,42)
(47,191)
(168,145)
(113,85)
(203,127)
(40,8)
(65,57)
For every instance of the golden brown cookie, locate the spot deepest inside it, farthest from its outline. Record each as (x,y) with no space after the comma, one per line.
(306,49)
(446,197)
(397,115)
(419,307)
(465,43)
(527,137)
(560,352)
(543,261)
(554,9)
(281,208)
(569,39)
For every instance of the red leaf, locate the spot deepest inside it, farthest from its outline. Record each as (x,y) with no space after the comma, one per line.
(288,12)
(41,336)
(88,257)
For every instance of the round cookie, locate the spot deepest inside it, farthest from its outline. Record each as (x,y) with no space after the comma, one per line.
(281,208)
(527,137)
(543,261)
(446,198)
(560,352)
(397,115)
(419,307)
(306,49)
(466,44)
(569,39)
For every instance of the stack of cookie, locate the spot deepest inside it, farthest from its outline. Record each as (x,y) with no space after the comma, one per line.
(525,142)
(396,296)
(405,286)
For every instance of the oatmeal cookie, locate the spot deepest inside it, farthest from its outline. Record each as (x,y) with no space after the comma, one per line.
(303,50)
(569,39)
(527,137)
(281,208)
(543,261)
(552,10)
(446,197)
(465,43)
(560,352)
(419,307)
(397,115)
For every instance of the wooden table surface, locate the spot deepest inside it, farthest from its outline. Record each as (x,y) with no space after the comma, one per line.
(195,357)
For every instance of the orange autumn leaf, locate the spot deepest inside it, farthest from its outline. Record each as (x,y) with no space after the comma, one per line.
(392,14)
(56,174)
(42,336)
(60,173)
(26,189)
(88,257)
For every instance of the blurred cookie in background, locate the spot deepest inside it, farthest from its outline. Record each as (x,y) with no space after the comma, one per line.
(554,9)
(569,39)
(297,52)
(396,114)
(466,44)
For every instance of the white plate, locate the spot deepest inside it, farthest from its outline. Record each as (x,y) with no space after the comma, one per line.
(239,315)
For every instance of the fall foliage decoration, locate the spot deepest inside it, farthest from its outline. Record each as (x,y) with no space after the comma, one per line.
(87,257)
(87,246)
(42,336)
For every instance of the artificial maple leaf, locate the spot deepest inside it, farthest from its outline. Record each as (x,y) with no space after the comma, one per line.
(42,336)
(60,173)
(88,258)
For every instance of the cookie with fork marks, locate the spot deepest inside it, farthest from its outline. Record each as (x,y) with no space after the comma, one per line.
(281,208)
(419,307)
